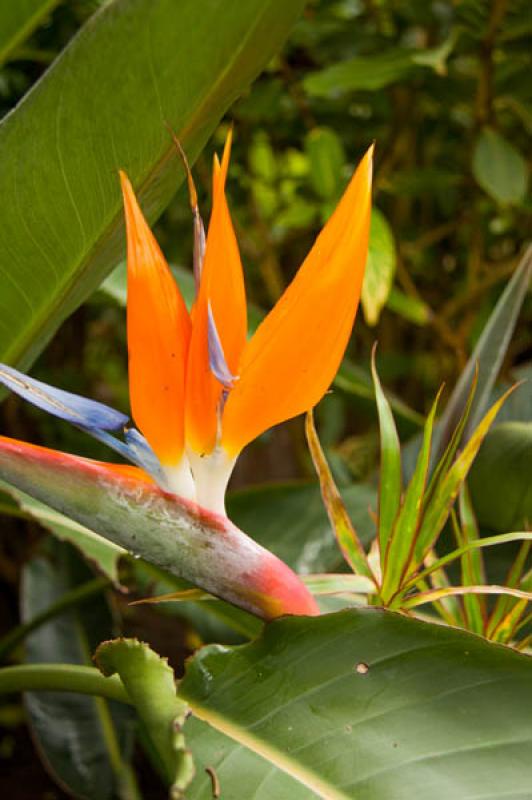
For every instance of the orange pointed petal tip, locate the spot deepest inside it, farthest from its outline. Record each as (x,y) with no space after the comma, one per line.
(222,291)
(158,332)
(220,170)
(292,359)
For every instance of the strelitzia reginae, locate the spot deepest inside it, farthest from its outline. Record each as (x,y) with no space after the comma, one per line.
(200,390)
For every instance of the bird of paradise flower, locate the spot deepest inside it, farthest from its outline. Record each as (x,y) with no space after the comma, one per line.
(200,391)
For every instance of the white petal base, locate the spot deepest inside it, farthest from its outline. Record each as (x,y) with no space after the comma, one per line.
(211,475)
(179,480)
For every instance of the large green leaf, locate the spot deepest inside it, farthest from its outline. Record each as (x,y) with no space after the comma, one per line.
(18,20)
(236,770)
(89,753)
(103,106)
(369,705)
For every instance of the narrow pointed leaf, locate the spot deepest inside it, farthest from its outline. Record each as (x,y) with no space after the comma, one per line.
(345,533)
(101,107)
(448,608)
(472,565)
(125,507)
(487,356)
(442,465)
(390,467)
(437,594)
(505,630)
(504,604)
(488,541)
(338,584)
(402,542)
(174,597)
(447,491)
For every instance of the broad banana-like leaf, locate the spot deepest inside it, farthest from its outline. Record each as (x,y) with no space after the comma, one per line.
(123,505)
(101,107)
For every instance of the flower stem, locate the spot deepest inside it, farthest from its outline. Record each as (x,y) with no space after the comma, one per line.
(62,678)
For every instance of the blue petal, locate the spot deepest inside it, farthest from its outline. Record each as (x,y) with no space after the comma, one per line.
(79,410)
(141,454)
(217,362)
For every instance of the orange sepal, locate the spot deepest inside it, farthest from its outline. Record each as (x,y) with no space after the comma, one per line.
(158,332)
(222,285)
(290,362)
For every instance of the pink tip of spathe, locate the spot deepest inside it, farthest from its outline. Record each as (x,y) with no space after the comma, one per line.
(282,591)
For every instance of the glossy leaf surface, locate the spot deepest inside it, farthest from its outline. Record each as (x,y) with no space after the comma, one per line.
(370,705)
(102,106)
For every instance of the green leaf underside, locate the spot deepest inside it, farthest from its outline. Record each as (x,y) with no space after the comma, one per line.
(390,467)
(345,533)
(103,106)
(90,754)
(437,713)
